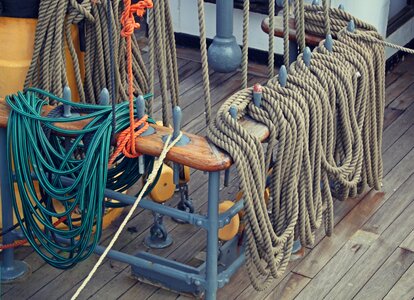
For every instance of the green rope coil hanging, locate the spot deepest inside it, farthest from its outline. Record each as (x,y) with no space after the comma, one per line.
(42,156)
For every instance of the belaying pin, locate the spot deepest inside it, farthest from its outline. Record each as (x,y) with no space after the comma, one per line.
(233,113)
(140,108)
(257,94)
(307,55)
(351,26)
(329,43)
(282,76)
(104,97)
(67,95)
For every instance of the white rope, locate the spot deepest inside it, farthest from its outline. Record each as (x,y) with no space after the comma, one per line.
(157,165)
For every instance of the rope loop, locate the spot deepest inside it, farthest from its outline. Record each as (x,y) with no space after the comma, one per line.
(128,16)
(80,11)
(126,144)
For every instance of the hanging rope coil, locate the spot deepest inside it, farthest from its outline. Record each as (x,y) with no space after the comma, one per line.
(63,175)
(48,66)
(325,129)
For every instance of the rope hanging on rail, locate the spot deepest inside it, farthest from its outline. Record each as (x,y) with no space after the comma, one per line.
(48,67)
(325,122)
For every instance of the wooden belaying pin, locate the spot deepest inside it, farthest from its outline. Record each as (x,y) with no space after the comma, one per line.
(307,55)
(67,95)
(104,97)
(329,43)
(257,94)
(351,26)
(282,76)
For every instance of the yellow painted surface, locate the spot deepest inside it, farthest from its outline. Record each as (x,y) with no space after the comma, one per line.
(165,187)
(230,230)
(16,50)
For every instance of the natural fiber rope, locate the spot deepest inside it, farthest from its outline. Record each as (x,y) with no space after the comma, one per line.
(163,54)
(325,133)
(286,16)
(151,177)
(48,66)
(204,61)
(271,50)
(245,47)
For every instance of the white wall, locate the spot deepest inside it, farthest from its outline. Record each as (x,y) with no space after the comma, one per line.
(374,12)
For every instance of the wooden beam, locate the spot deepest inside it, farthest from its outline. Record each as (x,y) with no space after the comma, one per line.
(311,39)
(199,154)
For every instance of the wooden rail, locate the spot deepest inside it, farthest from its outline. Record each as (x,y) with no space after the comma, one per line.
(199,154)
(311,39)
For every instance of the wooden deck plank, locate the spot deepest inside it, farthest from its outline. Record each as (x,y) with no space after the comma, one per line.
(405,99)
(390,115)
(408,243)
(375,256)
(289,287)
(398,87)
(398,127)
(392,77)
(321,254)
(387,275)
(404,288)
(398,150)
(340,263)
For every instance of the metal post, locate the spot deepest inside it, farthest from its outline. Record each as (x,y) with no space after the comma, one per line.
(10,269)
(224,54)
(212,235)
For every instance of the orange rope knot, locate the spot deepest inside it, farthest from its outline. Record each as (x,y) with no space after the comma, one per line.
(128,18)
(126,140)
(125,144)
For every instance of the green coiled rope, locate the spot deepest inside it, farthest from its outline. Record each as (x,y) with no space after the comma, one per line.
(42,154)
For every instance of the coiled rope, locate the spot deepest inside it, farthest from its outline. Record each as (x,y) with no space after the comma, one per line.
(48,66)
(69,169)
(325,139)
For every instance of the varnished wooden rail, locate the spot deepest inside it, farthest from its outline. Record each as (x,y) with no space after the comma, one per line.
(198,153)
(311,39)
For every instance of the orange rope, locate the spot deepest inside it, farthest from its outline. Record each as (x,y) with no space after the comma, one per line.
(19,243)
(127,146)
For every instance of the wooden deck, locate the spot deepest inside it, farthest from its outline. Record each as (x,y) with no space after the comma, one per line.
(369,256)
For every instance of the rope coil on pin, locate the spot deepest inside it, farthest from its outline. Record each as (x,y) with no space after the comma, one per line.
(325,123)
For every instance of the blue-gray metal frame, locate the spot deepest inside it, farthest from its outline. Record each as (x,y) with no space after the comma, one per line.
(10,269)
